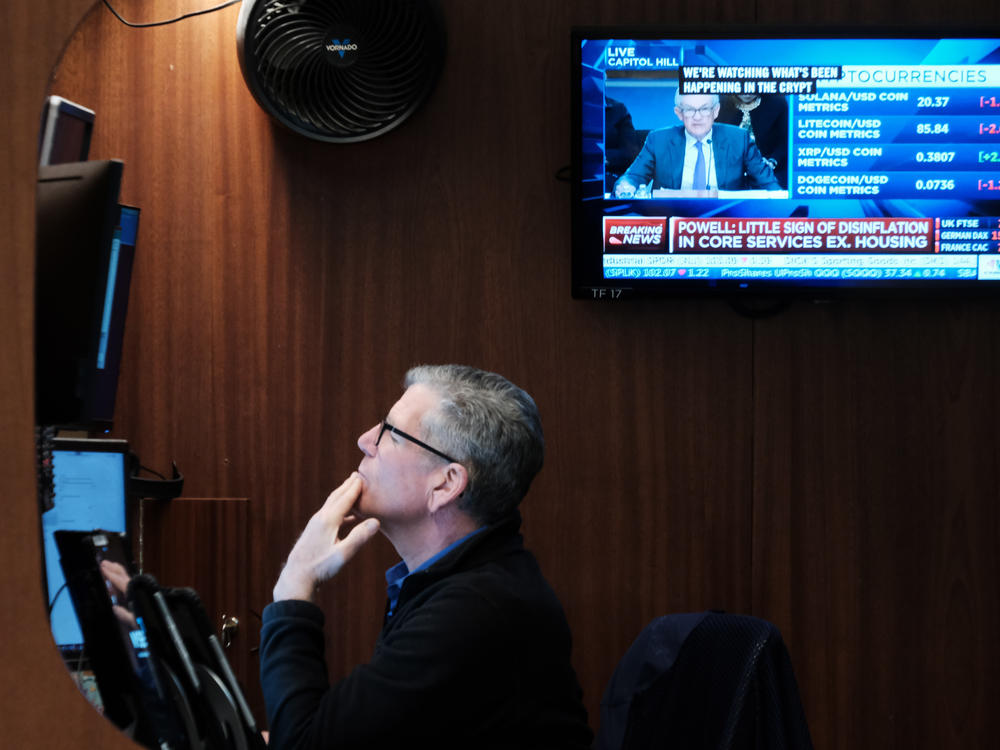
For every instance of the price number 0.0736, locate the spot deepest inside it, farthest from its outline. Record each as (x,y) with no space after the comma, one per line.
(935,184)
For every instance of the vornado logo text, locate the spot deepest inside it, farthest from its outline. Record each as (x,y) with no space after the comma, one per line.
(341,47)
(632,233)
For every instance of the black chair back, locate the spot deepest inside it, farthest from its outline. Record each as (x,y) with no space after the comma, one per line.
(705,681)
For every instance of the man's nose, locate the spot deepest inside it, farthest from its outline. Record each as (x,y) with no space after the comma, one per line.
(366,441)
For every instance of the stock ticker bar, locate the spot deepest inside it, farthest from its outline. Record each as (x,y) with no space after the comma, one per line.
(857,267)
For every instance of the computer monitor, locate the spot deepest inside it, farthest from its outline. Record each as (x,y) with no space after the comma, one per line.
(90,493)
(65,132)
(85,248)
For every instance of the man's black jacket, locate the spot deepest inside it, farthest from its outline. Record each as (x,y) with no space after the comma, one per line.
(476,655)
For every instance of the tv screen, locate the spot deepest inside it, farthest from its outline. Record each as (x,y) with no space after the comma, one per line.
(85,246)
(784,162)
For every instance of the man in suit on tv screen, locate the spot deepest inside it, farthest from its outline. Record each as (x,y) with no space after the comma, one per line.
(697,155)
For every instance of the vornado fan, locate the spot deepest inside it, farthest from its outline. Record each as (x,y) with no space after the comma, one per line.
(340,70)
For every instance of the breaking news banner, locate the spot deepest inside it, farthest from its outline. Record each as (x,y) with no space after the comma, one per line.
(888,235)
(633,234)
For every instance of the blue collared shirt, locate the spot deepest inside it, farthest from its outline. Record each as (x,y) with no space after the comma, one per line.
(398,573)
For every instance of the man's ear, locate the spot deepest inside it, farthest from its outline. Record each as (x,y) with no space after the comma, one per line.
(451,483)
(677,111)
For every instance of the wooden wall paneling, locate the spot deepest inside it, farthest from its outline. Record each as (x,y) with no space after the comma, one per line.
(642,507)
(875,516)
(204,544)
(41,706)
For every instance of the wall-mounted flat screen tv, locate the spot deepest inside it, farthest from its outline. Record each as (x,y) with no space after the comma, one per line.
(784,162)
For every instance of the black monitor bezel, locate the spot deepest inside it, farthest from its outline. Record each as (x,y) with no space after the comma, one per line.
(78,214)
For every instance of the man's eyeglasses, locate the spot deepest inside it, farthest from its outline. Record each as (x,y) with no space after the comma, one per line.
(388,427)
(704,111)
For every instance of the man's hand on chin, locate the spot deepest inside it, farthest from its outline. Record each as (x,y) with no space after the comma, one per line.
(319,553)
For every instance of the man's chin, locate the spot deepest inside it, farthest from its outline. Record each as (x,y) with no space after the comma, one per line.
(362,508)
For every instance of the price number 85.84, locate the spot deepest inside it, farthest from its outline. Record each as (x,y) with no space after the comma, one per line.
(932,128)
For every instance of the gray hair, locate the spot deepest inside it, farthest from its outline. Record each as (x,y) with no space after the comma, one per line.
(678,95)
(492,427)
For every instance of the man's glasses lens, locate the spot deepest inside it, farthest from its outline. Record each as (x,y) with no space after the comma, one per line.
(388,427)
(703,111)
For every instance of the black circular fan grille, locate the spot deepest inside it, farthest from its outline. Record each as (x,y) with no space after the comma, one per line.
(341,70)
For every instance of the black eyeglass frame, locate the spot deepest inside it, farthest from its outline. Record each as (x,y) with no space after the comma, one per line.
(386,426)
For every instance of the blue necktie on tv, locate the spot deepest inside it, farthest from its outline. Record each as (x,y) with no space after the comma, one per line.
(700,178)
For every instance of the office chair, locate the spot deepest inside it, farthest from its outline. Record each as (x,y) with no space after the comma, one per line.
(704,681)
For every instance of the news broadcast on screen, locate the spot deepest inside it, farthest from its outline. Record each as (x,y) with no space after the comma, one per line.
(785,162)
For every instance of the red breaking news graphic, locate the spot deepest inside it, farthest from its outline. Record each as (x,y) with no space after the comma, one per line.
(630,234)
(866,235)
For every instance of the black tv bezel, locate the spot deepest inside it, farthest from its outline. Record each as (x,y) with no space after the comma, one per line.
(587,280)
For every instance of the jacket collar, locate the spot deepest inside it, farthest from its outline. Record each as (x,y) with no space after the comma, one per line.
(496,540)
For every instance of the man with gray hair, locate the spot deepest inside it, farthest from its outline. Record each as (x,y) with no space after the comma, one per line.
(697,155)
(475,648)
